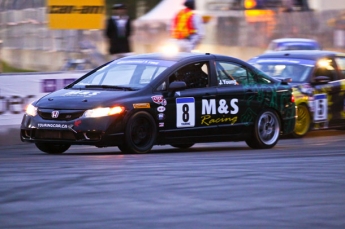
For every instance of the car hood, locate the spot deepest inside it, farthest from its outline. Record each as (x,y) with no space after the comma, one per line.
(81,99)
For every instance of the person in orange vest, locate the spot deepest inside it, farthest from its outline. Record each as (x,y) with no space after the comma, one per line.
(187,28)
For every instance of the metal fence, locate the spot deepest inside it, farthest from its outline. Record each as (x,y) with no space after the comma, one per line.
(23,25)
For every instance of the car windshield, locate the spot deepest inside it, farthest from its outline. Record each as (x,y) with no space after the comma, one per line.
(298,46)
(273,46)
(131,74)
(297,70)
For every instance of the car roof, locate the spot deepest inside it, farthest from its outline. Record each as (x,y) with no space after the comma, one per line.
(301,54)
(293,40)
(183,56)
(164,56)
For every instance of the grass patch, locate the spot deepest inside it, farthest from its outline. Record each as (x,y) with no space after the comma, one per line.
(7,68)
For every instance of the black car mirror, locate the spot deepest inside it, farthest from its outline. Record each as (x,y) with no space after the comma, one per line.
(322,79)
(177,86)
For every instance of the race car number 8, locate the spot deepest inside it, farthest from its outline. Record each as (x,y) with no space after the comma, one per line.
(320,107)
(185,112)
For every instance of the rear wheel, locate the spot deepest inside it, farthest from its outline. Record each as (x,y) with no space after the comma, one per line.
(140,133)
(266,131)
(303,121)
(183,146)
(52,148)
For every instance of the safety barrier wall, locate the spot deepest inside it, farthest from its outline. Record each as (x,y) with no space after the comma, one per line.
(18,90)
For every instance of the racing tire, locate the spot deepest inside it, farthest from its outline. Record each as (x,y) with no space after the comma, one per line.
(183,145)
(303,121)
(266,131)
(140,133)
(52,148)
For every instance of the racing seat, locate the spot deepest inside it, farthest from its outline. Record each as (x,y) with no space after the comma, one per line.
(194,77)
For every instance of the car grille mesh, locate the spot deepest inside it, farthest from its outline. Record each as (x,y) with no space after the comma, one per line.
(54,134)
(64,115)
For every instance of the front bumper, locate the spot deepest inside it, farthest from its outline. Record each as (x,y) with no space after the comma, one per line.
(104,131)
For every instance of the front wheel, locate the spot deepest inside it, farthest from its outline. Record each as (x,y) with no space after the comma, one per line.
(52,148)
(266,131)
(303,121)
(140,133)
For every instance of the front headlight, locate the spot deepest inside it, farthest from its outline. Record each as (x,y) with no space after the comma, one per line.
(103,111)
(31,110)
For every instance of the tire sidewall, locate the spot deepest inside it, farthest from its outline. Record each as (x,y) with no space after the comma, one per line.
(130,146)
(52,148)
(255,141)
(296,135)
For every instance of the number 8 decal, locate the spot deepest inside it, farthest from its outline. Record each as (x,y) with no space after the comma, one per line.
(185,112)
(320,107)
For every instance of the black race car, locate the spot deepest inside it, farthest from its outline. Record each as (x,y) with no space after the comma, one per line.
(154,99)
(318,78)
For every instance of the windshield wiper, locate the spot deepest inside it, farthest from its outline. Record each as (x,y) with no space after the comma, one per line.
(110,87)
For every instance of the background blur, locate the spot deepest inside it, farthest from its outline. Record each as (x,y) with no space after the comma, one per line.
(239,28)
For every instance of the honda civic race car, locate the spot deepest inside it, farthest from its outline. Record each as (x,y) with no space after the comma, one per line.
(318,78)
(144,100)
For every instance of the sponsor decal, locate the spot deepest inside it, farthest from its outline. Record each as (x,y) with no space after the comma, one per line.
(82,93)
(138,62)
(161,116)
(158,99)
(161,124)
(52,125)
(141,105)
(60,13)
(164,103)
(164,63)
(70,9)
(160,109)
(209,106)
(230,82)
(77,122)
(208,120)
(55,114)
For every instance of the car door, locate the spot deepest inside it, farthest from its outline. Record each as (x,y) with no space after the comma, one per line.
(329,96)
(237,100)
(184,107)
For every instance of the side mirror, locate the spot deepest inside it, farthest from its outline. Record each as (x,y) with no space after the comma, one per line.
(322,79)
(177,86)
(284,80)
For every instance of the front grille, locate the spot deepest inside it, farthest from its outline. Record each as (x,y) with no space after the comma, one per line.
(64,115)
(54,134)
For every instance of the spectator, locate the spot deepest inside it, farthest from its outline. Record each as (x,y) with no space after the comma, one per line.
(118,31)
(187,27)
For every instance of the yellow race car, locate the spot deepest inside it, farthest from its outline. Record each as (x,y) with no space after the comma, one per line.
(318,78)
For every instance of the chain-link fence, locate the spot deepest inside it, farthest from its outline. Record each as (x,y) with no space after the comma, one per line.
(23,26)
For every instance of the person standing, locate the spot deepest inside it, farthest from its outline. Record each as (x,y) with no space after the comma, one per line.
(187,27)
(118,31)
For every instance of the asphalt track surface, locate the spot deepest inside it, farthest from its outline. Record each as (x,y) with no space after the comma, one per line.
(300,183)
